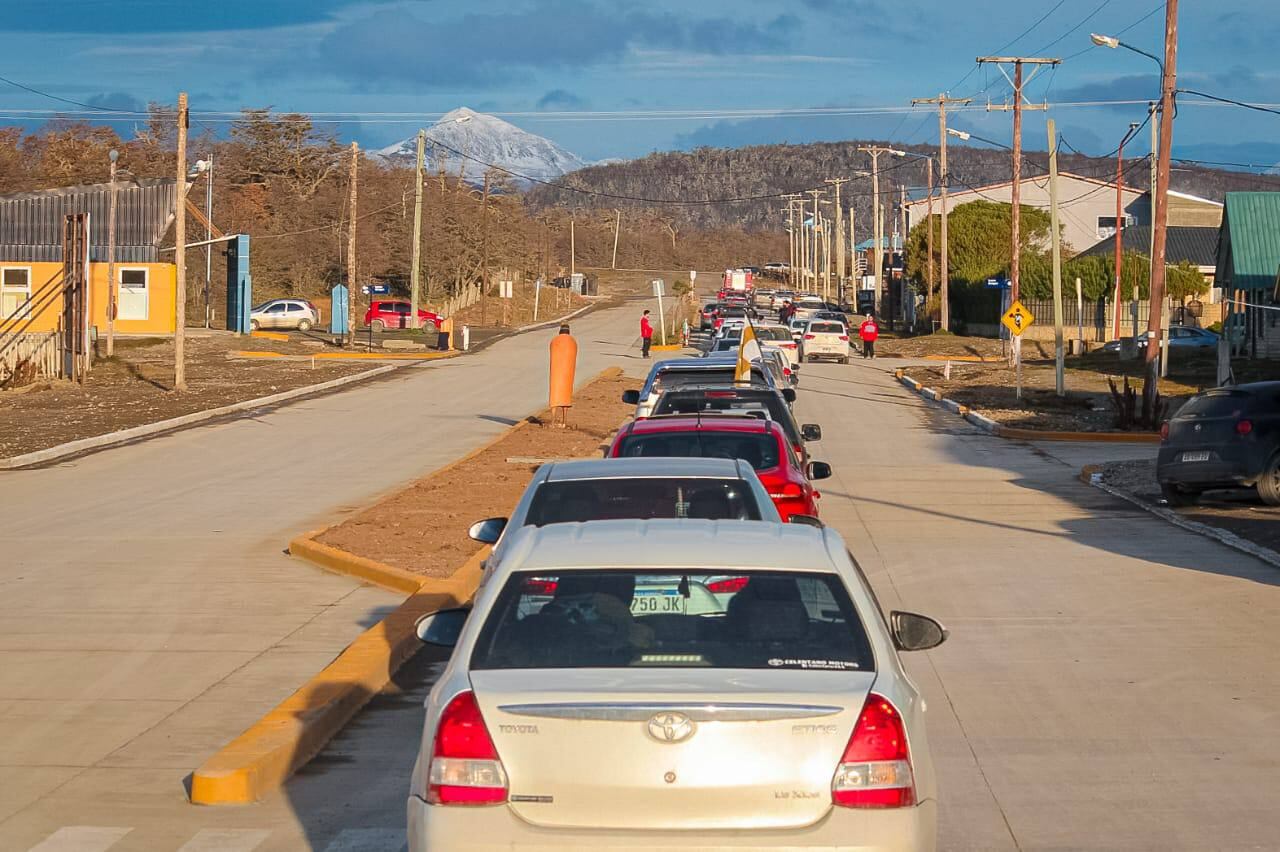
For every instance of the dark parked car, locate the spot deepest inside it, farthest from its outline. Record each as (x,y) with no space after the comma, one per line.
(1224,438)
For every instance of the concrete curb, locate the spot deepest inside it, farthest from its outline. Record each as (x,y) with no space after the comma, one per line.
(147,430)
(1090,474)
(273,748)
(270,335)
(1013,433)
(347,356)
(264,756)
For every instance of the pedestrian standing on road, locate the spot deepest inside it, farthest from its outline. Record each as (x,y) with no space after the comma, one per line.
(787,312)
(868,332)
(646,335)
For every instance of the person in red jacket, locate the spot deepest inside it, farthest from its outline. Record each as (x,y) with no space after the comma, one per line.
(646,335)
(868,332)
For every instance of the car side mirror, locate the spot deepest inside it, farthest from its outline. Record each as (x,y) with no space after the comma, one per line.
(487,531)
(819,470)
(789,394)
(807,520)
(441,628)
(811,432)
(631,397)
(912,632)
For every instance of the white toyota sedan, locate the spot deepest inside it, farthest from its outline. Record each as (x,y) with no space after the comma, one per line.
(675,684)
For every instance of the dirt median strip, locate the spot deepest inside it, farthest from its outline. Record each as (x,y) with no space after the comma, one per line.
(1017,434)
(263,757)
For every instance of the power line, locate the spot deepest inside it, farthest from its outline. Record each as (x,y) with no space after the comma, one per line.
(42,94)
(1219,99)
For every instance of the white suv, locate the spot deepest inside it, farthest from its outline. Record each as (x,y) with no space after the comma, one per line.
(825,339)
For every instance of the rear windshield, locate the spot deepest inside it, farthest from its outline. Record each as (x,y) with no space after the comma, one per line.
(826,328)
(626,618)
(683,378)
(733,311)
(760,450)
(728,402)
(636,498)
(1215,405)
(773,333)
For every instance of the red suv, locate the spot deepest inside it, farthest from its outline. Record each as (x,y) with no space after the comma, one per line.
(761,443)
(387,314)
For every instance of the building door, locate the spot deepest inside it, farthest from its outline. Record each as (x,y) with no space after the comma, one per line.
(134,299)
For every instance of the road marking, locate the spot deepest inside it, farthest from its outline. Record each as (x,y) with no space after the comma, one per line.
(226,840)
(368,840)
(81,838)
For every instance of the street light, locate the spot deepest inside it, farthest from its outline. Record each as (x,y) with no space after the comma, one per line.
(959,134)
(1113,42)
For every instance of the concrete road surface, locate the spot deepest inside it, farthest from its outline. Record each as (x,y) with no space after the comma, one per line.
(1110,681)
(148,613)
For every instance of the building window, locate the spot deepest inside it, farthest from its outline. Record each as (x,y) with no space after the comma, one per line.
(15,292)
(133,302)
(1107,225)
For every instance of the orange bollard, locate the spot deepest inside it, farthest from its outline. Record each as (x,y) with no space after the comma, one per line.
(564,362)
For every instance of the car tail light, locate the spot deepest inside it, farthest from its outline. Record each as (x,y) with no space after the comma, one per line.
(845,338)
(465,769)
(790,491)
(721,395)
(1164,431)
(791,345)
(1244,427)
(729,585)
(540,586)
(809,336)
(875,771)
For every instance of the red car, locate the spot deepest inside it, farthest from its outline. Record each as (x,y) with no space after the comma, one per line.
(395,314)
(761,443)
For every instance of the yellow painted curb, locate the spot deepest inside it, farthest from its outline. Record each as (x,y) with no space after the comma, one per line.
(1100,437)
(248,353)
(270,335)
(973,358)
(264,756)
(673,347)
(272,749)
(341,562)
(380,356)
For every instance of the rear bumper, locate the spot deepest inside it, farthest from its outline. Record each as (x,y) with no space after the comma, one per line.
(1221,471)
(488,829)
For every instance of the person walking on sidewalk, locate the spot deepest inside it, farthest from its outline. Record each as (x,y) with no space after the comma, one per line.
(868,332)
(646,335)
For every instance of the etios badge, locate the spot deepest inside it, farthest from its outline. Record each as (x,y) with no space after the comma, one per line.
(670,727)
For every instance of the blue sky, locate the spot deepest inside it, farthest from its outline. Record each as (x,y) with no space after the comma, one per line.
(540,59)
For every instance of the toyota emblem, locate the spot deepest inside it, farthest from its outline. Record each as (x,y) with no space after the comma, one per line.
(1198,427)
(670,727)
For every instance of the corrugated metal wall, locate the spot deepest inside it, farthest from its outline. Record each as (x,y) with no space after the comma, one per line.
(31,222)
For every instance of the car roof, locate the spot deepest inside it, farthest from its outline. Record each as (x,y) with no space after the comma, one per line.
(643,468)
(673,543)
(714,422)
(1251,387)
(744,390)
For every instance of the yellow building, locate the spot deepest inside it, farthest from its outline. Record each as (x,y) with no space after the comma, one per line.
(31,261)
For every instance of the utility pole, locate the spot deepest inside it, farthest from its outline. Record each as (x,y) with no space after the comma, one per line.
(617,229)
(484,250)
(839,233)
(1056,236)
(874,152)
(111,260)
(1119,241)
(208,249)
(415,273)
(944,271)
(929,239)
(1019,104)
(1154,110)
(1168,89)
(813,257)
(902,249)
(180,251)
(352,205)
(573,250)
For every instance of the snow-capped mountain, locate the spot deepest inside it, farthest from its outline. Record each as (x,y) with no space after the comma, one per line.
(477,139)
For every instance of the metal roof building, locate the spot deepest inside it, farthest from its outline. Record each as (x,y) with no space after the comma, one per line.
(31,222)
(1196,245)
(1249,244)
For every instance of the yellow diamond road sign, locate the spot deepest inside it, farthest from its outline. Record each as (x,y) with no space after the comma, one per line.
(1017,319)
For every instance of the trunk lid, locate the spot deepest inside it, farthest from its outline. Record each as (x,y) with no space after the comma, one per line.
(692,748)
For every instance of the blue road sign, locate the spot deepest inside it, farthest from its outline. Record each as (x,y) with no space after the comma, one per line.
(376,289)
(998,283)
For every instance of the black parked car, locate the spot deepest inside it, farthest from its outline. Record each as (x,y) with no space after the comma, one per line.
(1224,438)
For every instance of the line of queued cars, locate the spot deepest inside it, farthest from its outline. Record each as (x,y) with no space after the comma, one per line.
(669,650)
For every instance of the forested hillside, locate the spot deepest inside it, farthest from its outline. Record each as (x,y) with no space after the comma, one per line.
(708,175)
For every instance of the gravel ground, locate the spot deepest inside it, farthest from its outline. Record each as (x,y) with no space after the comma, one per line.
(1237,511)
